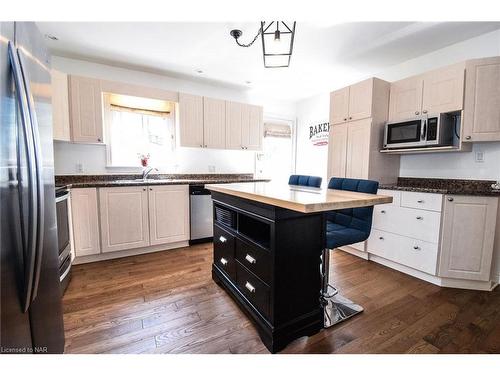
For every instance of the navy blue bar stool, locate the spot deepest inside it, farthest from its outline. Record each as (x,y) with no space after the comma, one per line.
(301,180)
(344,227)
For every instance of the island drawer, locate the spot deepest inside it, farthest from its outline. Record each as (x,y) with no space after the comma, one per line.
(253,289)
(224,250)
(254,258)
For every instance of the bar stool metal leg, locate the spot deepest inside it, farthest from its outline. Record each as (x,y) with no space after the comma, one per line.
(336,307)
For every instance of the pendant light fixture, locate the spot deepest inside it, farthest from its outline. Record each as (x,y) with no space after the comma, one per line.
(277,42)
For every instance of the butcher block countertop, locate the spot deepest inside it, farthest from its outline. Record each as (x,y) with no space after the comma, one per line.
(299,198)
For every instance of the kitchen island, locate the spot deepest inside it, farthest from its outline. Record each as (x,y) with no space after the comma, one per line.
(268,240)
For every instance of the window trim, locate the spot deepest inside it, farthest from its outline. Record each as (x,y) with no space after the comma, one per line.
(106,107)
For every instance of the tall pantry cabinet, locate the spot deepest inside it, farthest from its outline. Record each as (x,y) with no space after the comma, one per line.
(357,117)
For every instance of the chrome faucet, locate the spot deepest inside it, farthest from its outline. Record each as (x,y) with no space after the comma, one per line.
(147,171)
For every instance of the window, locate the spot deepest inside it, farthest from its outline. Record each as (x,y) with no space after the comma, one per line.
(138,127)
(276,161)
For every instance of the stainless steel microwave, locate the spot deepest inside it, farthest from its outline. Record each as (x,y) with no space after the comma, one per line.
(425,131)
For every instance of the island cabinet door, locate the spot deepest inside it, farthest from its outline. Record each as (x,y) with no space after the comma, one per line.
(468,231)
(124,218)
(168,214)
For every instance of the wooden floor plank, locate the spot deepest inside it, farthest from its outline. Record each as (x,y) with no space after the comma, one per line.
(166,302)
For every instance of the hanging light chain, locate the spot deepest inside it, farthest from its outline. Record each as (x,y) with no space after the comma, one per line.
(252,42)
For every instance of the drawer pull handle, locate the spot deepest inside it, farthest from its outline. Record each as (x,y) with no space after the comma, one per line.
(250,287)
(382,211)
(250,259)
(420,218)
(416,247)
(223,261)
(420,201)
(450,199)
(381,238)
(222,239)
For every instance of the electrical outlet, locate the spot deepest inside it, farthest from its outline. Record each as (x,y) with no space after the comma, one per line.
(79,168)
(211,168)
(479,157)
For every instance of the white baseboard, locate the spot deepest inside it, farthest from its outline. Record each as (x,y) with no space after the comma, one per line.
(436,280)
(130,252)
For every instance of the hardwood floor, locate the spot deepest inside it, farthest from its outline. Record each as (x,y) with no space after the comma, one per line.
(166,302)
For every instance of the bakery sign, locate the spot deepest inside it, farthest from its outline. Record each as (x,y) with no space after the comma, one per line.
(318,133)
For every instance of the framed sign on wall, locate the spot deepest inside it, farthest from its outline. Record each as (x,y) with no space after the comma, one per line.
(318,133)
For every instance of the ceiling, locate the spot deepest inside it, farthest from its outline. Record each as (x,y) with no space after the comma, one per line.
(324,56)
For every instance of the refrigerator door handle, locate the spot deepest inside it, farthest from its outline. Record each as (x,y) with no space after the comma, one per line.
(29,243)
(39,178)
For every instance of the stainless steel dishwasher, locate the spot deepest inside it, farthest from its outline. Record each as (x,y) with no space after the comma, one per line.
(201,215)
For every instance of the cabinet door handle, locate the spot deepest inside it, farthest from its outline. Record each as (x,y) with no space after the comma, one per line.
(222,239)
(381,238)
(450,199)
(382,211)
(468,137)
(417,112)
(420,201)
(250,259)
(223,261)
(350,118)
(99,140)
(420,218)
(345,119)
(250,287)
(143,189)
(424,111)
(416,247)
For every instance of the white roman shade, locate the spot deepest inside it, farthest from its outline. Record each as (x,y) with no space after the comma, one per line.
(280,130)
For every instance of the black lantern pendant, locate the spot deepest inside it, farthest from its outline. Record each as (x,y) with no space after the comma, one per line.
(277,42)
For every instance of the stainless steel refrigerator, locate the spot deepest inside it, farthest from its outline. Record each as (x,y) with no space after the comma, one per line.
(31,310)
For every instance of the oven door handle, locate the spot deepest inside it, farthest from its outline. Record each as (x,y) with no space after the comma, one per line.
(424,131)
(62,197)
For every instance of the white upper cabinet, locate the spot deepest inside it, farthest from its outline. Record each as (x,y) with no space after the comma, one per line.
(352,103)
(124,218)
(481,120)
(214,123)
(233,125)
(168,214)
(467,239)
(191,120)
(86,109)
(252,130)
(244,126)
(406,98)
(60,106)
(360,100)
(440,90)
(444,90)
(339,106)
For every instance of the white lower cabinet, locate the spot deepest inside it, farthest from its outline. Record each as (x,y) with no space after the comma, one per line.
(411,252)
(468,237)
(84,218)
(168,214)
(124,218)
(450,236)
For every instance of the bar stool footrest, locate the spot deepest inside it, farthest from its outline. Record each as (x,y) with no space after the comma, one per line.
(337,309)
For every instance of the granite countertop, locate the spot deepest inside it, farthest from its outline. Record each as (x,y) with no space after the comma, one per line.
(444,186)
(300,198)
(116,180)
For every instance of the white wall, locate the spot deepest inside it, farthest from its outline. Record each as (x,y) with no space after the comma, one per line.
(186,160)
(452,165)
